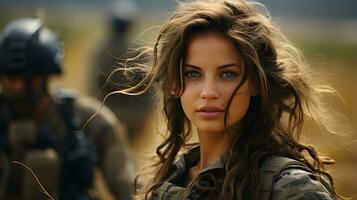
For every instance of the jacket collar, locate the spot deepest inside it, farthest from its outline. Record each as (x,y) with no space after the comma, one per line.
(191,158)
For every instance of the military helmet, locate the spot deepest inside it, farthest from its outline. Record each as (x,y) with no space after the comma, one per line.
(122,14)
(27,47)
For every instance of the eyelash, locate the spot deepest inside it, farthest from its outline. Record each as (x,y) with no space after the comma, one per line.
(232,74)
(195,74)
(189,74)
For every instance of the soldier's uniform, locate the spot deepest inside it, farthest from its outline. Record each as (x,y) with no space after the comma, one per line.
(108,57)
(56,145)
(111,152)
(282,178)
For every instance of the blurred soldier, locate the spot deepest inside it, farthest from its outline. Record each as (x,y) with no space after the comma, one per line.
(43,129)
(133,111)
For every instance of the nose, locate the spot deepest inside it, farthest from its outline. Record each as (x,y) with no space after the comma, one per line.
(209,89)
(15,84)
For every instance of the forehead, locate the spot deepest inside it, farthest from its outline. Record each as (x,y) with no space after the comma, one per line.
(213,48)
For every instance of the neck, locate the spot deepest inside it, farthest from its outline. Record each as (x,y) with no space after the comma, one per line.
(212,146)
(34,111)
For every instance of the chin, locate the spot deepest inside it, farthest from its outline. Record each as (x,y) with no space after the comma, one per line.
(211,128)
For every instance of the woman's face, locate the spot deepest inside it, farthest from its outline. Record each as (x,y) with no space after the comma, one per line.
(212,70)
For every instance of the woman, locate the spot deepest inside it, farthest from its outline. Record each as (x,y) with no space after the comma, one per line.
(226,69)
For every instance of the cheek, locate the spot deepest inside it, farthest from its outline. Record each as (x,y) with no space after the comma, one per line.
(15,86)
(241,99)
(239,107)
(185,98)
(189,93)
(188,99)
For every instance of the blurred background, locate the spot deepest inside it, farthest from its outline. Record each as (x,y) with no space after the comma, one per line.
(325,31)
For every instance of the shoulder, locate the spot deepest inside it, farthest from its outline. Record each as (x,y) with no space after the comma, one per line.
(299,184)
(293,180)
(87,106)
(99,119)
(87,109)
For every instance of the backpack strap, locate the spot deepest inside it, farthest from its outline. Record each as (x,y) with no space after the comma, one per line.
(5,116)
(77,151)
(272,167)
(65,100)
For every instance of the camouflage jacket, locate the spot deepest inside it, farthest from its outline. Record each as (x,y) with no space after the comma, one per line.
(293,182)
(114,170)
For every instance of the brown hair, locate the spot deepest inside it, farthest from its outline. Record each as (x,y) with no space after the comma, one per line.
(273,124)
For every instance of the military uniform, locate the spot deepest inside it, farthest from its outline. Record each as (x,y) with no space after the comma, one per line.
(283,178)
(114,50)
(46,131)
(40,152)
(112,146)
(135,108)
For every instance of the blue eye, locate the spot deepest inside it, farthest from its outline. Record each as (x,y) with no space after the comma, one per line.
(192,74)
(229,74)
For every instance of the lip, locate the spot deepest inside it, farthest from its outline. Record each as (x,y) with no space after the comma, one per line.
(210,111)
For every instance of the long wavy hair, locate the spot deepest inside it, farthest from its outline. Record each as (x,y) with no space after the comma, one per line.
(287,93)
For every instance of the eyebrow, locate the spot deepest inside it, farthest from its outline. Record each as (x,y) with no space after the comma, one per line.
(220,67)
